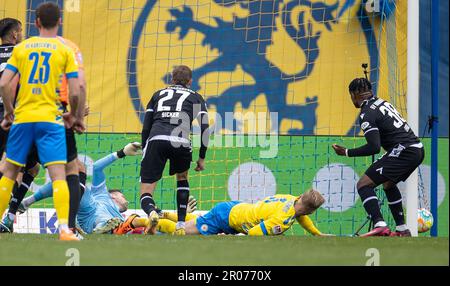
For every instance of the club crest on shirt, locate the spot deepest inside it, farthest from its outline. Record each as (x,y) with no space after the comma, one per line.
(276,229)
(397,151)
(204,227)
(364,125)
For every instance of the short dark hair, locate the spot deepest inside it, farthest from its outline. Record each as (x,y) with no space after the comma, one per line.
(7,25)
(181,75)
(114,191)
(360,85)
(48,13)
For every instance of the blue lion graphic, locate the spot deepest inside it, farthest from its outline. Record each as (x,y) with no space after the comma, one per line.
(244,42)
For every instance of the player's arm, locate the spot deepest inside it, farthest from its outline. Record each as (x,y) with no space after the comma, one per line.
(148,121)
(99,178)
(72,74)
(74,95)
(82,84)
(203,121)
(308,225)
(271,226)
(372,135)
(6,92)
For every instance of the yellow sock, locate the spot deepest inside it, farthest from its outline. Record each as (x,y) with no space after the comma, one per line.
(190,217)
(6,187)
(140,222)
(166,226)
(171,216)
(61,201)
(174,217)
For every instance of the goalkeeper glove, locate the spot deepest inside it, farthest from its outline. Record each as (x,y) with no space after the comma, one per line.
(131,149)
(192,205)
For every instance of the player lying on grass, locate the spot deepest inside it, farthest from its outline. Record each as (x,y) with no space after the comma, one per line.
(270,216)
(100,209)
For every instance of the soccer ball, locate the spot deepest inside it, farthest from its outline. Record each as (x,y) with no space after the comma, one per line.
(424,220)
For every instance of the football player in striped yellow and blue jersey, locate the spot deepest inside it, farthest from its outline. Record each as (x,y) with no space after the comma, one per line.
(270,216)
(37,118)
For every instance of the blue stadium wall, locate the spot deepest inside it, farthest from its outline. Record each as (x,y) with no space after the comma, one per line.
(425,66)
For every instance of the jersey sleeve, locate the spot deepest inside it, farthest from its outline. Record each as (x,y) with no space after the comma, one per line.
(148,120)
(13,62)
(99,178)
(368,122)
(274,225)
(79,57)
(71,69)
(308,225)
(203,121)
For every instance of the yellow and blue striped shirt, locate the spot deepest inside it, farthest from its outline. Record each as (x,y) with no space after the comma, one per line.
(270,216)
(41,63)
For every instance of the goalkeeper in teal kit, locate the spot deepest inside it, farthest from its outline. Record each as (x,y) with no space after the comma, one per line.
(100,209)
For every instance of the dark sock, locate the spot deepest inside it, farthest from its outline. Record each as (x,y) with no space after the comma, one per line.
(147,203)
(394,198)
(182,199)
(73,181)
(20,192)
(82,177)
(370,203)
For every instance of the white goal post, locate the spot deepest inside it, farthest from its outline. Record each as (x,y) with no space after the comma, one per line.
(413,108)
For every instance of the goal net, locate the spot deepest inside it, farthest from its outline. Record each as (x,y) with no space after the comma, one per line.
(274,74)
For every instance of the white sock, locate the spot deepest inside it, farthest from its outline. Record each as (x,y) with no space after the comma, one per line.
(380,224)
(180,224)
(402,227)
(28,201)
(63,227)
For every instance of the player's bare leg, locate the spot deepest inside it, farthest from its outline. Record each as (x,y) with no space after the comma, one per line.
(3,163)
(61,198)
(369,200)
(148,205)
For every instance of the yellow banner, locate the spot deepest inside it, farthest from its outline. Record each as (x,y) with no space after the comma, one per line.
(295,58)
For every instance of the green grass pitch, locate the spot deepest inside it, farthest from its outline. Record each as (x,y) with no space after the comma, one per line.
(35,249)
